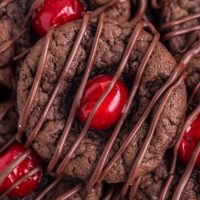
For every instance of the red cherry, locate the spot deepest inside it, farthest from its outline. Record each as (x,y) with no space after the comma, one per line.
(31,162)
(55,13)
(189,142)
(111,108)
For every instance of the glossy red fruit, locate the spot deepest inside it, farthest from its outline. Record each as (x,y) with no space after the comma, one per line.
(189,142)
(31,162)
(111,108)
(53,13)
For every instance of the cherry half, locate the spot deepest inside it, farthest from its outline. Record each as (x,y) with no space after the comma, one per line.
(53,13)
(31,162)
(112,106)
(189,142)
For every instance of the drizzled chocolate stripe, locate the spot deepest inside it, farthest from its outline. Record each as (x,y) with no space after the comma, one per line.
(105,7)
(179,21)
(182,20)
(170,178)
(21,55)
(4,3)
(4,109)
(77,43)
(186,175)
(8,144)
(8,44)
(109,193)
(140,11)
(117,129)
(128,50)
(48,188)
(172,79)
(180,32)
(13,165)
(134,188)
(27,108)
(91,195)
(78,96)
(194,93)
(26,176)
(138,161)
(70,193)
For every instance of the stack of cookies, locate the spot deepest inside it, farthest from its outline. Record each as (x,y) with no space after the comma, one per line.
(99,99)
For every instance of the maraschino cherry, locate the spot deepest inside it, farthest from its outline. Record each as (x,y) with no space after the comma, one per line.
(189,142)
(53,13)
(111,108)
(31,162)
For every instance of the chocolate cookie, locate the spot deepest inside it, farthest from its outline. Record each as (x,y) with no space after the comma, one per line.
(111,46)
(153,183)
(121,12)
(12,17)
(181,26)
(8,122)
(60,189)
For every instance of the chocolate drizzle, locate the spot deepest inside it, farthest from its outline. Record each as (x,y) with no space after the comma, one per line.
(170,178)
(178,32)
(8,44)
(12,165)
(117,75)
(77,99)
(174,80)
(138,161)
(194,93)
(117,129)
(27,108)
(101,170)
(26,176)
(71,192)
(184,179)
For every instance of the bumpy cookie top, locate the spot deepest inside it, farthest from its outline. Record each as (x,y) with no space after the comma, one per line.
(110,49)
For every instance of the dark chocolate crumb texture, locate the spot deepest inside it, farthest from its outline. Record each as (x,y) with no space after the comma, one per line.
(181,25)
(103,103)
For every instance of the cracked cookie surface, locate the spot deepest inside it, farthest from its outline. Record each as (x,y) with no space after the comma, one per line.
(110,49)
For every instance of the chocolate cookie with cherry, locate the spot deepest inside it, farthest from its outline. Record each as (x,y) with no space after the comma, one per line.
(82,95)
